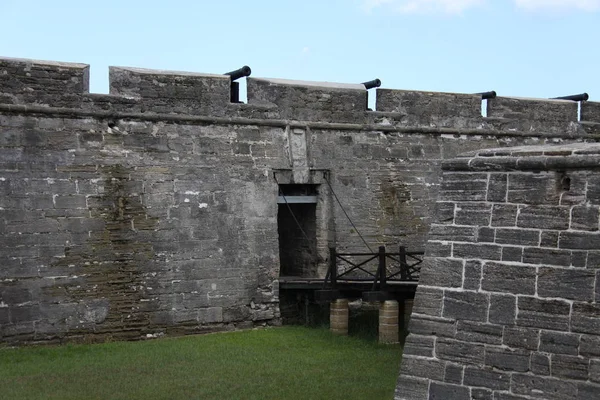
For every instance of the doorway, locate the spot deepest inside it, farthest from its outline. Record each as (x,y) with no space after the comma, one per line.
(297,227)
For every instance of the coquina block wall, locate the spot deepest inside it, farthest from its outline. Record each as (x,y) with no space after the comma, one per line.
(508,306)
(153,209)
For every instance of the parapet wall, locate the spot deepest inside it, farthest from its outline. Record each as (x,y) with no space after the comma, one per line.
(508,305)
(30,82)
(153,210)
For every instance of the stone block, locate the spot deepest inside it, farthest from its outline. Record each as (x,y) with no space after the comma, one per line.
(477,251)
(417,345)
(514,254)
(487,378)
(540,364)
(428,301)
(309,101)
(423,368)
(537,255)
(584,218)
(544,314)
(508,278)
(472,278)
(559,343)
(430,108)
(503,309)
(468,306)
(544,217)
(473,214)
(481,394)
(463,187)
(579,240)
(444,391)
(444,213)
(504,215)
(507,359)
(497,188)
(542,387)
(460,352)
(569,367)
(431,326)
(587,391)
(452,233)
(486,235)
(594,370)
(590,346)
(537,188)
(523,109)
(590,111)
(438,249)
(521,338)
(571,284)
(549,239)
(520,237)
(477,332)
(442,272)
(454,373)
(409,388)
(585,318)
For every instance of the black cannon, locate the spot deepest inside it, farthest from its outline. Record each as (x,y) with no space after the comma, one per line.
(574,97)
(375,83)
(235,86)
(487,95)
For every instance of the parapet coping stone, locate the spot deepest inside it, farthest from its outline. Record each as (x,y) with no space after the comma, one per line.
(148,71)
(292,82)
(44,62)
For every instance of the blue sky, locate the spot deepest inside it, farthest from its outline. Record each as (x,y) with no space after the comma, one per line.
(534,48)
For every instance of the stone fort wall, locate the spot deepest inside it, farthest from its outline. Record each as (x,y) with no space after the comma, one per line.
(507,307)
(153,209)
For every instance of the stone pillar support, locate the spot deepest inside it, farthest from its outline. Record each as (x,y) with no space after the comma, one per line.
(388,322)
(338,317)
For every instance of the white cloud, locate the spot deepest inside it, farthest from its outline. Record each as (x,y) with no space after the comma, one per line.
(423,6)
(534,5)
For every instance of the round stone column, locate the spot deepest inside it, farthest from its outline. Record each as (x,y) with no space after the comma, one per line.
(388,322)
(338,317)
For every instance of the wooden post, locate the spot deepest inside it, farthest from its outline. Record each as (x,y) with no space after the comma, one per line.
(333,266)
(338,317)
(382,269)
(403,264)
(388,322)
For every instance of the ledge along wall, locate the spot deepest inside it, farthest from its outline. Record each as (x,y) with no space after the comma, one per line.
(508,306)
(153,210)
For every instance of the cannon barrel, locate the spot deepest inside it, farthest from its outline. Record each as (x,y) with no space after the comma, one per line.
(375,83)
(239,73)
(574,97)
(487,95)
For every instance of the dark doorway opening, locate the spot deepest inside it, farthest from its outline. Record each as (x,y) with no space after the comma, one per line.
(297,226)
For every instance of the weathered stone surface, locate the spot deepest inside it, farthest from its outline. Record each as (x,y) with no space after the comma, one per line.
(504,215)
(459,352)
(472,278)
(503,309)
(431,326)
(559,343)
(442,271)
(479,251)
(545,314)
(540,364)
(544,217)
(454,373)
(585,318)
(411,389)
(429,369)
(572,284)
(487,378)
(542,387)
(416,345)
(507,359)
(469,306)
(477,332)
(443,391)
(508,278)
(473,214)
(428,301)
(569,367)
(521,338)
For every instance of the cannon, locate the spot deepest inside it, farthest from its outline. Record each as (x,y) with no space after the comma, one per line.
(239,73)
(487,95)
(235,86)
(375,83)
(574,97)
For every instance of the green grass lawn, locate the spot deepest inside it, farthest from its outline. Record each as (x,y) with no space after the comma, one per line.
(277,363)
